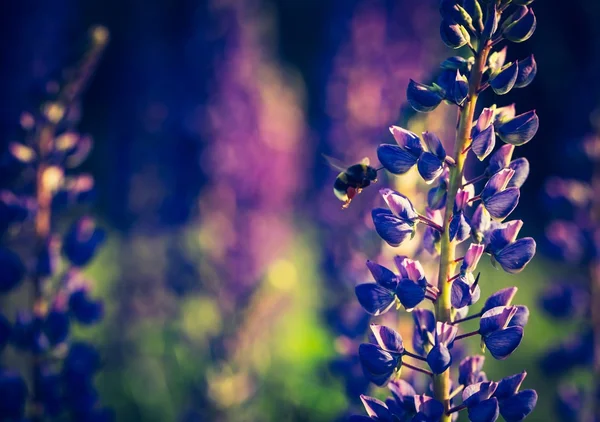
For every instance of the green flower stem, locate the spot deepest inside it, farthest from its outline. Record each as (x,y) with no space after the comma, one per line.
(443,307)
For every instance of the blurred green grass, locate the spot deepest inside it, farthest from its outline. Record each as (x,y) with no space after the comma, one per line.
(156,367)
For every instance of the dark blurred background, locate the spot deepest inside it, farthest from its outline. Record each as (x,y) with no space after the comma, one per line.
(222,277)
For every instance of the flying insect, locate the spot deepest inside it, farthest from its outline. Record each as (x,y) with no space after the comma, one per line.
(352,180)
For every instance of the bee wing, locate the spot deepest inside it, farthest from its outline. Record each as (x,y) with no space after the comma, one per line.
(335,163)
(366,161)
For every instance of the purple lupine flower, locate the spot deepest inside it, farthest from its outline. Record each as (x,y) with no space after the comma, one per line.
(431,236)
(431,162)
(470,370)
(381,358)
(428,409)
(498,199)
(496,332)
(412,285)
(425,328)
(400,158)
(459,228)
(439,358)
(377,298)
(403,403)
(520,129)
(480,403)
(483,134)
(515,405)
(501,324)
(398,223)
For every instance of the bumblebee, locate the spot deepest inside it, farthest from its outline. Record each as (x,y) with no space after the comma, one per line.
(352,180)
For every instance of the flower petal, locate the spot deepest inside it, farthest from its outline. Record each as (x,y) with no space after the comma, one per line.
(502,297)
(395,159)
(502,343)
(503,203)
(390,228)
(409,293)
(484,143)
(430,167)
(485,411)
(374,298)
(384,277)
(387,339)
(378,365)
(439,358)
(517,255)
(519,406)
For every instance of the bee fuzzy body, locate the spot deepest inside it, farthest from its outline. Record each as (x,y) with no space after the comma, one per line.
(352,181)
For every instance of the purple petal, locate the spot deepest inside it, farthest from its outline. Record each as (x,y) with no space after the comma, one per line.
(421,97)
(445,333)
(430,167)
(387,339)
(434,145)
(411,269)
(439,358)
(504,235)
(374,298)
(497,183)
(469,369)
(359,418)
(508,386)
(484,143)
(502,297)
(502,343)
(399,204)
(378,365)
(520,318)
(521,168)
(520,129)
(407,140)
(519,406)
(395,159)
(400,389)
(376,408)
(384,277)
(505,80)
(459,228)
(476,393)
(409,293)
(516,256)
(502,203)
(472,258)
(496,319)
(527,72)
(480,223)
(463,294)
(390,228)
(500,159)
(485,411)
(428,407)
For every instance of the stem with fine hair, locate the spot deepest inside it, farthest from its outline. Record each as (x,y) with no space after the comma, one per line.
(443,306)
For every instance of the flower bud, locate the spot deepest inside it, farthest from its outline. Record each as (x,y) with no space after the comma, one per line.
(454,35)
(504,81)
(521,27)
(520,129)
(527,72)
(422,97)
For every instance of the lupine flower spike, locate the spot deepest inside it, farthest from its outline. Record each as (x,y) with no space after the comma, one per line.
(61,378)
(464,220)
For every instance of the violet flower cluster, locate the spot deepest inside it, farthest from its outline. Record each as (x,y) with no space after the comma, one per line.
(572,238)
(459,217)
(60,380)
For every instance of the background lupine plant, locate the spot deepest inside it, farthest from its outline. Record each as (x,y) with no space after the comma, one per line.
(572,238)
(58,381)
(456,212)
